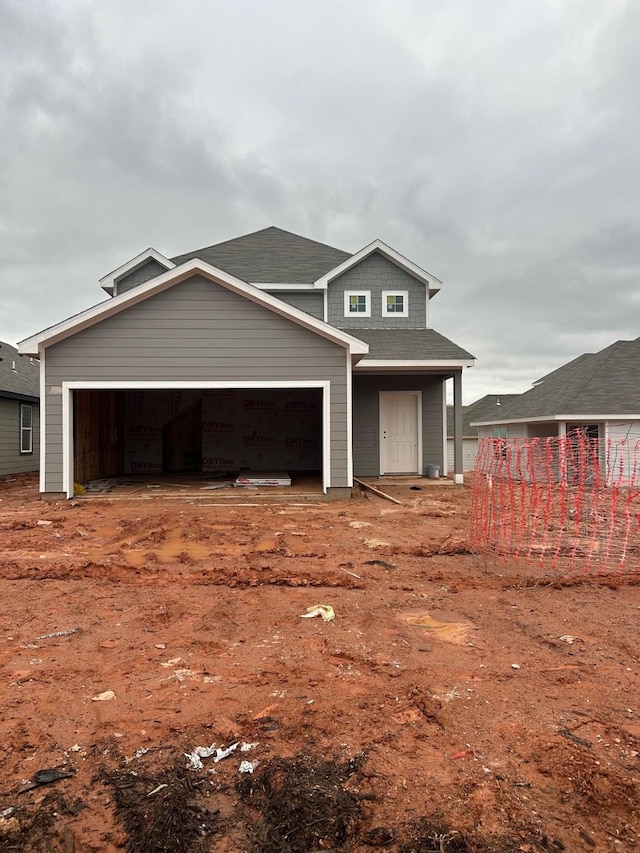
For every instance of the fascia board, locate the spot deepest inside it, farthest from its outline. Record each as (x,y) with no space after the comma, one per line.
(388,252)
(16,395)
(103,310)
(547,418)
(107,282)
(415,364)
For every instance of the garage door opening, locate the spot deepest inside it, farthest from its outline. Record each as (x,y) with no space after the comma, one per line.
(207,432)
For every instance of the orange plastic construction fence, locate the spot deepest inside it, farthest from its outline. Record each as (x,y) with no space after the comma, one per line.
(569,503)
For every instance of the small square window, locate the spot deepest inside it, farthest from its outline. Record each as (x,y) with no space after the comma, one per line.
(395,303)
(357,303)
(26,428)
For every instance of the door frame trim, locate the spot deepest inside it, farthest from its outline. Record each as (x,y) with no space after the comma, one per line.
(418,396)
(68,387)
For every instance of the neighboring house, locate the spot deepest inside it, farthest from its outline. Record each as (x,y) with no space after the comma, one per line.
(597,394)
(270,351)
(482,409)
(19,420)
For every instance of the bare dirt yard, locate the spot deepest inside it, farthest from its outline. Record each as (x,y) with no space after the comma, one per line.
(451,705)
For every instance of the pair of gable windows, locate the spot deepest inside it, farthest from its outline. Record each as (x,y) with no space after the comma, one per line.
(395,303)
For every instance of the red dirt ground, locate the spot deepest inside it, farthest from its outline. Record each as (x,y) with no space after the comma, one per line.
(514,726)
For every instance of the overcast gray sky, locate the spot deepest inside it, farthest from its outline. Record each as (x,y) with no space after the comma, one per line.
(495,143)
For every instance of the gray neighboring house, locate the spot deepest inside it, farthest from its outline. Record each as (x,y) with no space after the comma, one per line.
(267,352)
(482,409)
(596,393)
(19,412)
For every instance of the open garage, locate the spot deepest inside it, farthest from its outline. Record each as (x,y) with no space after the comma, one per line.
(217,431)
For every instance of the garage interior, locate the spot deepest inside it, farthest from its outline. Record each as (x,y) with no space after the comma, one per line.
(197,434)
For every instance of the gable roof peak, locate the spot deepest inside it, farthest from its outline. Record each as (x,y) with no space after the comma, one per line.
(270,255)
(382,248)
(108,281)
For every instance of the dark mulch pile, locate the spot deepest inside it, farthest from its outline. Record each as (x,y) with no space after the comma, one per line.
(303,804)
(169,819)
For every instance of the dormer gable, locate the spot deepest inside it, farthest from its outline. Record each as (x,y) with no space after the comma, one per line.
(433,284)
(378,288)
(142,268)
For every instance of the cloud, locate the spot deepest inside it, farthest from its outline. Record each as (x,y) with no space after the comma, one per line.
(493,143)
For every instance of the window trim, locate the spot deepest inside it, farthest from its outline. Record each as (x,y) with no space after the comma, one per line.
(405,298)
(26,430)
(350,293)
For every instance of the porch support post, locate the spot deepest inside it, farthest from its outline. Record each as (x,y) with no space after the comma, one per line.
(458,463)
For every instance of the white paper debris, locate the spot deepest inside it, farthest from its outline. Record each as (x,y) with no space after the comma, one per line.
(195,758)
(224,752)
(248,766)
(245,747)
(324,610)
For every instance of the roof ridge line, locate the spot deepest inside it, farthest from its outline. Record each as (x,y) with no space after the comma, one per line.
(259,231)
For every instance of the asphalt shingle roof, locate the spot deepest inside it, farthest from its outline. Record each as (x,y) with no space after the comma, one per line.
(486,407)
(602,383)
(270,255)
(410,344)
(25,379)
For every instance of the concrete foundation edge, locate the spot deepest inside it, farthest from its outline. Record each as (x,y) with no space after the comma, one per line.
(338,493)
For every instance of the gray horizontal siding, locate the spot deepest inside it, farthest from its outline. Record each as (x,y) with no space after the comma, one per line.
(150,269)
(469,453)
(225,338)
(366,419)
(306,300)
(11,460)
(376,274)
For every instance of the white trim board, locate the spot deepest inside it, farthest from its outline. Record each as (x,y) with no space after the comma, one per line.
(445,437)
(43,424)
(555,418)
(349,422)
(69,327)
(418,396)
(117,385)
(413,364)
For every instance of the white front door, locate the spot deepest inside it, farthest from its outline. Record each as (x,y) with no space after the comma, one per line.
(399,432)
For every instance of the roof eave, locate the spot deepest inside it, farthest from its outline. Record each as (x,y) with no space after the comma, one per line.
(54,334)
(557,418)
(433,364)
(17,395)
